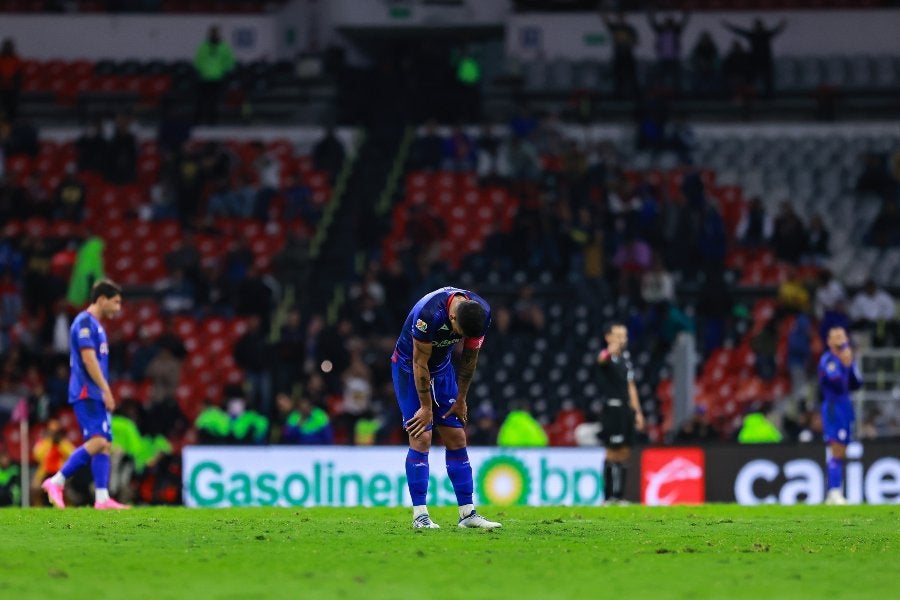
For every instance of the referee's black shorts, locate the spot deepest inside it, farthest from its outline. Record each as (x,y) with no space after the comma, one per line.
(617,421)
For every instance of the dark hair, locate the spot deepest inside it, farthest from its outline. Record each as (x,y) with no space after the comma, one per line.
(471,317)
(607,329)
(105,288)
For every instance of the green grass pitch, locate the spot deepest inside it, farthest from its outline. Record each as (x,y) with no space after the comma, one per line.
(712,551)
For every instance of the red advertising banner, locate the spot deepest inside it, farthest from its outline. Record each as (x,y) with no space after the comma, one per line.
(673,476)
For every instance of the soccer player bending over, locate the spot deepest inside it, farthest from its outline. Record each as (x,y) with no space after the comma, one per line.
(430,392)
(838,376)
(621,410)
(90,396)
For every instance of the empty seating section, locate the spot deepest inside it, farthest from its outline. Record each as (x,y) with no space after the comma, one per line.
(166,6)
(143,82)
(793,74)
(469,212)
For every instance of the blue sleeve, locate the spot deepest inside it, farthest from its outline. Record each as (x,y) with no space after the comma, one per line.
(856,379)
(831,376)
(84,335)
(423,325)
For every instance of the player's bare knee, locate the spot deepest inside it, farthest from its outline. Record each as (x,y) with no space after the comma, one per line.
(421,443)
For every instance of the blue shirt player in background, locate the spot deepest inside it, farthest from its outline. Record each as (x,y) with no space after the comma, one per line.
(838,376)
(91,396)
(430,392)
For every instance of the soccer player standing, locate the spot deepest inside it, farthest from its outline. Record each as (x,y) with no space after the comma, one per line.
(621,410)
(838,376)
(430,392)
(90,396)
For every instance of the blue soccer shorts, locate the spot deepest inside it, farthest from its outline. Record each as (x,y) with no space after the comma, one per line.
(94,419)
(443,395)
(837,423)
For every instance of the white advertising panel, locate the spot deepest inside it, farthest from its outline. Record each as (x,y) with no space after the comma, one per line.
(219,476)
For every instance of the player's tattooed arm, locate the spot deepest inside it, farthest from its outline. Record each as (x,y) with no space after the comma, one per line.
(466,370)
(421,356)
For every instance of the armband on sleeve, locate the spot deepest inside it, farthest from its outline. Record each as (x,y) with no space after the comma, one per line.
(474,343)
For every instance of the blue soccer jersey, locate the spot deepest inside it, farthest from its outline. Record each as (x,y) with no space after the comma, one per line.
(836,382)
(429,321)
(86,332)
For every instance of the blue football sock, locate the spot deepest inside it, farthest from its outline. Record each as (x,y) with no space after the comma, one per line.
(417,476)
(460,472)
(78,459)
(100,469)
(835,473)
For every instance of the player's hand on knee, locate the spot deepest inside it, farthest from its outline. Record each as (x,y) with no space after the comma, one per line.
(419,422)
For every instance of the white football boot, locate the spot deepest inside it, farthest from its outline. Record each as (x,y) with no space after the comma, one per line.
(475,520)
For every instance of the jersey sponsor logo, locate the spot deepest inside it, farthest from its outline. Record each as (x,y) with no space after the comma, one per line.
(421,325)
(84,332)
(445,343)
(673,476)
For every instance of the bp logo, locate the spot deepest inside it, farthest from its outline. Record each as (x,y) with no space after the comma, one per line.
(503,481)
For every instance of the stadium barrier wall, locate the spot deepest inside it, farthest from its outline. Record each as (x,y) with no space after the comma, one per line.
(220,476)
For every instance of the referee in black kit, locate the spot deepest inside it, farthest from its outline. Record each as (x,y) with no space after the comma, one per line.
(621,410)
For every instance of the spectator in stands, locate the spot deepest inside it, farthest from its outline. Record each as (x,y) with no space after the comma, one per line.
(482,429)
(761,63)
(873,310)
(705,65)
(268,170)
(657,284)
(290,350)
(256,295)
(789,237)
(520,429)
(51,453)
(427,150)
(817,242)
(792,293)
(184,256)
(252,354)
(524,163)
(829,293)
(874,178)
(291,263)
(11,75)
(213,61)
(528,314)
(885,229)
(70,196)
(624,65)
(799,354)
(460,152)
(177,293)
(213,424)
(758,426)
(328,154)
(765,345)
(10,300)
(92,148)
(736,72)
(298,202)
(756,226)
(164,373)
(714,305)
(668,48)
(122,152)
(492,164)
(697,429)
(10,480)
